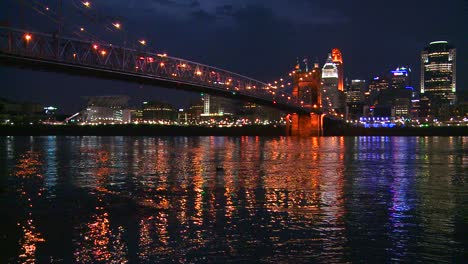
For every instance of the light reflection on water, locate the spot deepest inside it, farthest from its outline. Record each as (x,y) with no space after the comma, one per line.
(245,199)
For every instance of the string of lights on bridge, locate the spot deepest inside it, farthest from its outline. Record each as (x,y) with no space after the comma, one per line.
(49,12)
(99,45)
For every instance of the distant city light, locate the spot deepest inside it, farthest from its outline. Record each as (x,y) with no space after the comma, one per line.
(27,37)
(87,4)
(117,25)
(142,42)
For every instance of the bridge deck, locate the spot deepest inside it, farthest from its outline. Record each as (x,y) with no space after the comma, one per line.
(73,56)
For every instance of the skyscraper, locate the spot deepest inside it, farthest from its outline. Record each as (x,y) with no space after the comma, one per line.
(333,84)
(438,76)
(338,60)
(330,99)
(401,78)
(376,86)
(355,99)
(215,106)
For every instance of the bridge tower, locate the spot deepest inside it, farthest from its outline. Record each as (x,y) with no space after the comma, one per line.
(306,87)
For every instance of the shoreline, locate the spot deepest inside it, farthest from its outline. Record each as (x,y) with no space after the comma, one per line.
(164,130)
(405,131)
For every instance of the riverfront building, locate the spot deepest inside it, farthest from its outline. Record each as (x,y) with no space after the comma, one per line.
(438,77)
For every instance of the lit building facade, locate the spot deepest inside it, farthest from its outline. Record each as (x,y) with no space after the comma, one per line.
(355,99)
(258,113)
(400,78)
(332,84)
(338,60)
(217,107)
(438,76)
(396,102)
(195,111)
(159,112)
(107,109)
(376,86)
(330,99)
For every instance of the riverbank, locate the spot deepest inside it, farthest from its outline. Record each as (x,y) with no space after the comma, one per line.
(403,131)
(163,130)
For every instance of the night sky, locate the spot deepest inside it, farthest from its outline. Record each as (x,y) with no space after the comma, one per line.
(257,38)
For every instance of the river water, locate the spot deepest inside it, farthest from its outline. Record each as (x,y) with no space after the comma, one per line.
(233,199)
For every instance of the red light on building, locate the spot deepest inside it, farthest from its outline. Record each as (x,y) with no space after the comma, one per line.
(336,56)
(338,60)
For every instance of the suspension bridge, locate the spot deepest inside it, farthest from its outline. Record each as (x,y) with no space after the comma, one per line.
(54,52)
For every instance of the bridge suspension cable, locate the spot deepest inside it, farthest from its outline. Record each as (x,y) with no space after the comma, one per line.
(91,51)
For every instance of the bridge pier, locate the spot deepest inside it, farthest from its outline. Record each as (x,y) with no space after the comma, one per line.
(304,125)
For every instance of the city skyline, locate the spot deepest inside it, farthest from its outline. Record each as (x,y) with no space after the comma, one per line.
(363,59)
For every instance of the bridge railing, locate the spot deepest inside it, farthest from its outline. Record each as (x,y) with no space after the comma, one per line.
(105,56)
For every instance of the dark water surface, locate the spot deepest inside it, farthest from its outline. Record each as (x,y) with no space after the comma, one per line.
(245,199)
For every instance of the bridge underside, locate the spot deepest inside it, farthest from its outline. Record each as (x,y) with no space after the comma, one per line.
(305,125)
(102,73)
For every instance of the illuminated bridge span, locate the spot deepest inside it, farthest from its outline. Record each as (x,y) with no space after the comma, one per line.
(50,52)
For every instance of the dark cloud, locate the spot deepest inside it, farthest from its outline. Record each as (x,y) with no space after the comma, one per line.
(225,10)
(194,4)
(166,2)
(202,15)
(298,11)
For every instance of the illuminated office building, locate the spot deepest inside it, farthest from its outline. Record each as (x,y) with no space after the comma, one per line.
(376,86)
(107,109)
(215,106)
(332,94)
(329,85)
(355,99)
(338,60)
(438,76)
(400,78)
(158,112)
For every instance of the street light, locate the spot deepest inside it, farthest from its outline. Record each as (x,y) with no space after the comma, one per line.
(27,37)
(142,42)
(117,25)
(87,4)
